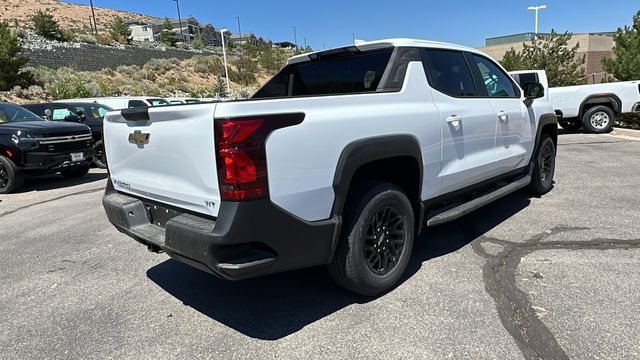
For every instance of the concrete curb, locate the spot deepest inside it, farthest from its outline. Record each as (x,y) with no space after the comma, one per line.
(626,132)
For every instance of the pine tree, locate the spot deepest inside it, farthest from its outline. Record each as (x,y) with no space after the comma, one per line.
(119,31)
(46,26)
(626,62)
(552,54)
(11,62)
(167,36)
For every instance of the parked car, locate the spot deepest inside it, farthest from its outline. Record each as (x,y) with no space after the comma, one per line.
(121,102)
(593,107)
(32,146)
(90,114)
(93,114)
(340,159)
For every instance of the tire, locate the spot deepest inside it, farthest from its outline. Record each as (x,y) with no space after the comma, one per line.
(379,216)
(571,126)
(10,179)
(599,119)
(99,158)
(75,172)
(544,165)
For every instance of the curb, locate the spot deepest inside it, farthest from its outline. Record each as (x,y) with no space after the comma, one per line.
(626,132)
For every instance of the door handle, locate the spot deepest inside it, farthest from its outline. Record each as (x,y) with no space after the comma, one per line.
(503,115)
(455,121)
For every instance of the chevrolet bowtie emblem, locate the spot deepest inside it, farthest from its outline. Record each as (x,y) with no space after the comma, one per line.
(139,138)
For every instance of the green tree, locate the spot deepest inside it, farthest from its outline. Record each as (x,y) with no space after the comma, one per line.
(11,62)
(272,59)
(46,26)
(626,62)
(200,42)
(167,36)
(119,31)
(220,87)
(554,55)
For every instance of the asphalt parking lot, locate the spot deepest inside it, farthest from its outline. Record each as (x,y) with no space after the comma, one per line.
(553,277)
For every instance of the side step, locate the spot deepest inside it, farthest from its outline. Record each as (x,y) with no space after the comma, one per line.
(468,207)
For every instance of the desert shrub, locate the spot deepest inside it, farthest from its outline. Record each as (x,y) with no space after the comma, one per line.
(87,39)
(67,89)
(629,121)
(161,65)
(104,39)
(206,65)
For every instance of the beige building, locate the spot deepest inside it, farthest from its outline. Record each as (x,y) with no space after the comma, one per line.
(594,45)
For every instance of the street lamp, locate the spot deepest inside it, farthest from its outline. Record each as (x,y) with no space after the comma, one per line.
(239,31)
(179,21)
(295,37)
(536,9)
(224,56)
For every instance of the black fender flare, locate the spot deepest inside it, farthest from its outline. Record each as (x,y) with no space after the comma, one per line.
(550,120)
(606,98)
(363,151)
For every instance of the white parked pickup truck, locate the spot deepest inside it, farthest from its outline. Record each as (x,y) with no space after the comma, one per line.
(593,107)
(340,159)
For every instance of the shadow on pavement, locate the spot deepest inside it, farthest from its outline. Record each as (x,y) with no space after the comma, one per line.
(278,305)
(56,181)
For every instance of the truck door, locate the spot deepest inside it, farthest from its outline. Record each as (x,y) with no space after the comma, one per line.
(467,123)
(515,124)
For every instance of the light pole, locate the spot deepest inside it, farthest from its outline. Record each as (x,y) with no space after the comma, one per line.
(93,14)
(305,43)
(224,56)
(179,21)
(295,37)
(239,31)
(353,37)
(536,9)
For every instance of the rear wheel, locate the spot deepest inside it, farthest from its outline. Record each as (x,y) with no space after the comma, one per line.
(544,165)
(377,240)
(75,172)
(599,119)
(10,179)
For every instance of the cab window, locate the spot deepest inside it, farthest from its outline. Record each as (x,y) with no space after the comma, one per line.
(60,114)
(448,72)
(496,81)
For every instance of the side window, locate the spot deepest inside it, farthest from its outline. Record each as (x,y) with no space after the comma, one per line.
(496,81)
(448,72)
(137,103)
(524,78)
(60,114)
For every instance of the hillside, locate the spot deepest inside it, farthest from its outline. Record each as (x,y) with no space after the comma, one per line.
(69,16)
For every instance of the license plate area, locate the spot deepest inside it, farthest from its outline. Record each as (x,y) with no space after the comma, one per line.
(159,215)
(75,157)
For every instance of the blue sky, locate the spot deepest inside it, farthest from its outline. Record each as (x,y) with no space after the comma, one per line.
(330,23)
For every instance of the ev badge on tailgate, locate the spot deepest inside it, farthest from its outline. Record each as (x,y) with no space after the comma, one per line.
(139,138)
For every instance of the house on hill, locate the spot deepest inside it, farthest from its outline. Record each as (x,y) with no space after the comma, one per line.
(185,31)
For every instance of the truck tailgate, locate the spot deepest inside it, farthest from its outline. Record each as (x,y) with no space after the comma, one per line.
(165,154)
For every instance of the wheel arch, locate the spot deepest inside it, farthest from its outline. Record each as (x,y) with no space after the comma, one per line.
(380,157)
(608,99)
(548,124)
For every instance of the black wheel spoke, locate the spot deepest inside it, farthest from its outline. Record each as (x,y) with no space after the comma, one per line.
(384,240)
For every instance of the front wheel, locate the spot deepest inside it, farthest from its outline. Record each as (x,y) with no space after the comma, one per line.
(544,166)
(75,172)
(99,158)
(377,240)
(10,179)
(599,119)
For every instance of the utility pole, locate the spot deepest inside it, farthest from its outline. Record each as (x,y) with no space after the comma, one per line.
(536,9)
(179,20)
(93,14)
(239,30)
(305,43)
(295,37)
(353,38)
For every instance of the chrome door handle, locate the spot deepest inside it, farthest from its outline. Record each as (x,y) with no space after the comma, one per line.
(455,121)
(503,116)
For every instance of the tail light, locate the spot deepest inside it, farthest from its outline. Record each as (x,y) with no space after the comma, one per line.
(241,156)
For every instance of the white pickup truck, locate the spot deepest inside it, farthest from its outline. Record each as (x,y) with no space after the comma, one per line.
(593,107)
(340,159)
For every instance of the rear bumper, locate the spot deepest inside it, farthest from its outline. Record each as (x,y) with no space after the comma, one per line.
(247,239)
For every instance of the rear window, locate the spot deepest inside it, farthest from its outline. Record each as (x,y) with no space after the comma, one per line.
(344,74)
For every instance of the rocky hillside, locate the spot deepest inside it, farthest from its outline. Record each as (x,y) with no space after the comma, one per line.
(69,16)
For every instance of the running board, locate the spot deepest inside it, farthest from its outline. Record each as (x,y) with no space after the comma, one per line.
(464,209)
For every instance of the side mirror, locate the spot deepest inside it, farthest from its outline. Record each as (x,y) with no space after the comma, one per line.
(532,91)
(73,118)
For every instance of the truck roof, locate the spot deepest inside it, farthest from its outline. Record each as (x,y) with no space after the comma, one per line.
(385,43)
